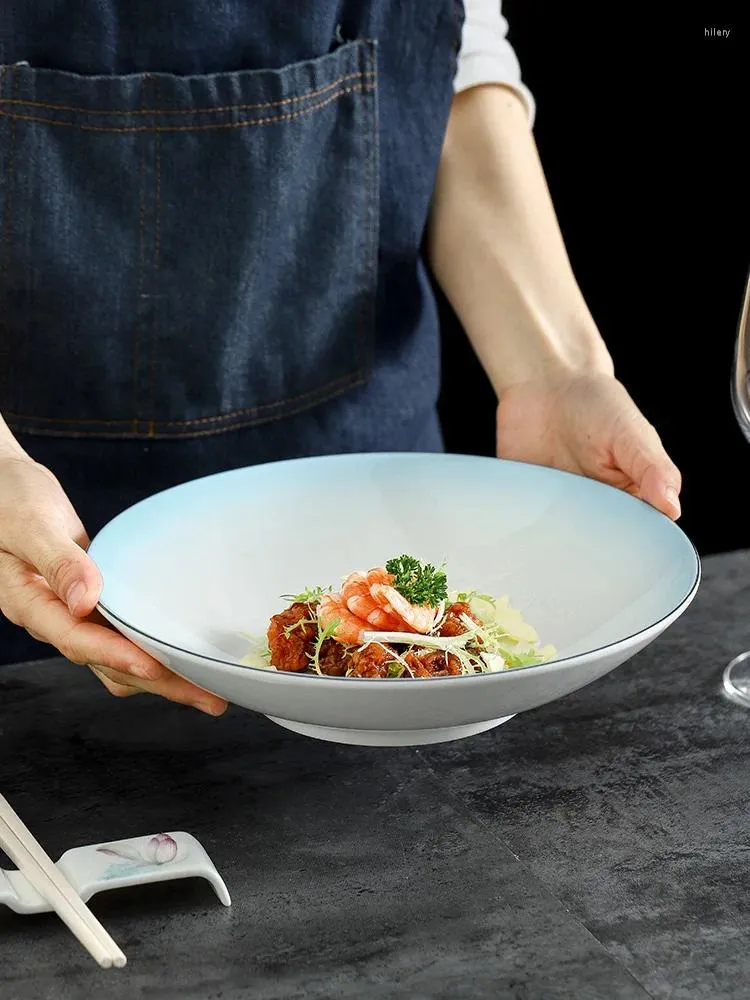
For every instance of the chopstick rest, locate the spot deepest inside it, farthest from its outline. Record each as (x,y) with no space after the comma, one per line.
(21,846)
(96,868)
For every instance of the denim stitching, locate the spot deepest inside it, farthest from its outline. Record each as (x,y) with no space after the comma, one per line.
(309,396)
(139,283)
(375,216)
(188,128)
(332,389)
(7,224)
(372,180)
(357,379)
(157,266)
(12,80)
(189,111)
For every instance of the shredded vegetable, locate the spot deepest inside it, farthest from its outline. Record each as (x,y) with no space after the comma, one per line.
(398,621)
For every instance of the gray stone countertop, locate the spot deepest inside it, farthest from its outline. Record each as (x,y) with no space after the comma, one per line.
(597,848)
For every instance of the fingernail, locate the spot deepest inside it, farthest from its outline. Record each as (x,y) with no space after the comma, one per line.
(210,708)
(671,494)
(74,595)
(151,672)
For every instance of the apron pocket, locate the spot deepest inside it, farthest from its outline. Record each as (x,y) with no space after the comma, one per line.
(186,255)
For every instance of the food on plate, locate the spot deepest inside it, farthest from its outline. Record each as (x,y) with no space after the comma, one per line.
(398,621)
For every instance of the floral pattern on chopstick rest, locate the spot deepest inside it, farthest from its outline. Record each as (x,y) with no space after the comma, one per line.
(157,858)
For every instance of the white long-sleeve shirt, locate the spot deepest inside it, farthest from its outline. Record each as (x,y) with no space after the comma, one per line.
(486,55)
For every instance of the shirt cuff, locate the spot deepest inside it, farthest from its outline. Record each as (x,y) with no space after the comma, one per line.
(486,54)
(477,70)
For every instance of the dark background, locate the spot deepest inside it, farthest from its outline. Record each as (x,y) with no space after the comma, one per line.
(640,125)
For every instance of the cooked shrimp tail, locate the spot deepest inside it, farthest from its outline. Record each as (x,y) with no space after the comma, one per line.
(415,618)
(348,628)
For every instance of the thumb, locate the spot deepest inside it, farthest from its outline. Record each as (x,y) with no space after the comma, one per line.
(641,456)
(660,487)
(65,565)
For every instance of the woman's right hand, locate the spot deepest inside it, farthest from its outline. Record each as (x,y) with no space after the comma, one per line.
(50,587)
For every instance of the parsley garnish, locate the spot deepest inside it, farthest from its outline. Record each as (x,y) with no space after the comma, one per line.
(420,583)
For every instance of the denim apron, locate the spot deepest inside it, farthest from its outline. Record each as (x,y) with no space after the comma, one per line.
(211,217)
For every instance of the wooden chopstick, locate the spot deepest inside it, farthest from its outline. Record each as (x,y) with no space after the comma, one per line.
(22,848)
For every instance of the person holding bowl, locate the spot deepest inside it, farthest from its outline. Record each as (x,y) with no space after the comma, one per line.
(216,225)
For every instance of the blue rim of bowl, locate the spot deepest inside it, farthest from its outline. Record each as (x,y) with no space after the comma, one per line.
(316,678)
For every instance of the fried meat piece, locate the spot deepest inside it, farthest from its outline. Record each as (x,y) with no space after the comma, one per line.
(333,658)
(432,663)
(372,660)
(451,624)
(291,637)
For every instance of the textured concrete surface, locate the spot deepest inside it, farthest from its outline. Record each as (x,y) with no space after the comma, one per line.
(595,849)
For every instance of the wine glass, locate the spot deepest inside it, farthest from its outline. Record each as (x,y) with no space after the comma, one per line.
(737,672)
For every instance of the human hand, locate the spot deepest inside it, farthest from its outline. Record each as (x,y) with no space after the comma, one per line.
(50,587)
(589,425)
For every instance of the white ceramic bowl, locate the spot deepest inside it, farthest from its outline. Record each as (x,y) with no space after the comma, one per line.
(598,573)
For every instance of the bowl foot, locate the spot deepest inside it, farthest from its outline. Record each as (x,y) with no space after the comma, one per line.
(389,737)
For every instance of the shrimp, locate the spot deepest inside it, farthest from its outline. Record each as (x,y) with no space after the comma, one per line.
(369,602)
(333,609)
(413,617)
(356,595)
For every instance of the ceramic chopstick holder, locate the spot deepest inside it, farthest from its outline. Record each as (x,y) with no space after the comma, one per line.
(100,867)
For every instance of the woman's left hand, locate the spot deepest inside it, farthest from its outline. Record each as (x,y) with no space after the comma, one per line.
(589,425)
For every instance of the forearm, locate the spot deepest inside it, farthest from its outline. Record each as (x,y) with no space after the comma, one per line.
(497,252)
